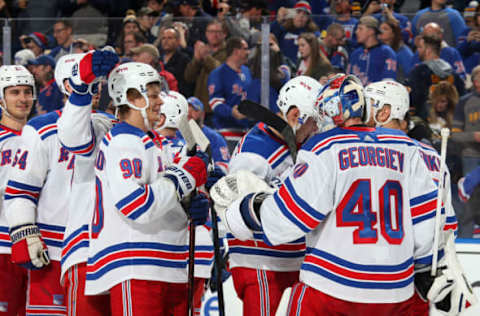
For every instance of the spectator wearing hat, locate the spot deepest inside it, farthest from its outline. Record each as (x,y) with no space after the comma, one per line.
(450,20)
(196,20)
(130,24)
(227,86)
(36,42)
(218,145)
(50,98)
(148,54)
(146,19)
(373,61)
(206,57)
(63,34)
(288,27)
(174,60)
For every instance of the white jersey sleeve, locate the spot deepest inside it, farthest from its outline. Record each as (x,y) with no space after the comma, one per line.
(297,207)
(129,171)
(253,162)
(25,181)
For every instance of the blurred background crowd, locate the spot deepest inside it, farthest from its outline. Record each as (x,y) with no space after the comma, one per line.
(212,50)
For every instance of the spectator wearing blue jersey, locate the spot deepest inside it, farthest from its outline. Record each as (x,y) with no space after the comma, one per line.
(382,10)
(297,21)
(343,11)
(468,43)
(373,61)
(449,19)
(390,34)
(227,87)
(50,97)
(448,53)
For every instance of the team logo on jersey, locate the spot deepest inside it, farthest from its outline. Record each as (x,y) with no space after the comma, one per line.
(300,170)
(58,299)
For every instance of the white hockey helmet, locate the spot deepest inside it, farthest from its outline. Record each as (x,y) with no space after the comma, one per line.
(174,107)
(23,56)
(300,92)
(389,91)
(64,68)
(132,75)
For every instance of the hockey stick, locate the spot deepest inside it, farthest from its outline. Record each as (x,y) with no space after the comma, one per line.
(257,112)
(191,143)
(445,132)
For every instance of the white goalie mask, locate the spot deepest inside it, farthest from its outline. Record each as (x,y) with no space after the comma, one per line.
(14,75)
(300,92)
(174,107)
(380,93)
(132,75)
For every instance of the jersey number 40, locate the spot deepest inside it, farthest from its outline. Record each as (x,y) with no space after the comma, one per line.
(355,210)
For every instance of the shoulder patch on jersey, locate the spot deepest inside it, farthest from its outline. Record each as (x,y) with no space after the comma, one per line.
(300,170)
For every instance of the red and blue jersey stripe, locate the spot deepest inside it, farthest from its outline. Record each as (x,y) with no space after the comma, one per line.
(136,203)
(18,190)
(366,276)
(259,247)
(52,234)
(76,240)
(5,237)
(204,255)
(85,149)
(136,253)
(423,207)
(296,209)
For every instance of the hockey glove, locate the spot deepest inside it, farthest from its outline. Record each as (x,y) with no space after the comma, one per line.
(224,273)
(188,173)
(96,64)
(28,248)
(213,177)
(199,207)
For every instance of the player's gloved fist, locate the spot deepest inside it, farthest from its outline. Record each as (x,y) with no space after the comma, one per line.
(199,207)
(28,248)
(188,173)
(462,190)
(214,176)
(96,64)
(82,89)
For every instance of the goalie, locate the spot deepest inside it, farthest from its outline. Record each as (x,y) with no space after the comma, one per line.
(351,193)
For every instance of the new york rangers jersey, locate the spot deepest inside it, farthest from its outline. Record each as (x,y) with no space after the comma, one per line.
(175,146)
(226,88)
(80,131)
(364,199)
(38,191)
(138,230)
(373,64)
(263,153)
(9,139)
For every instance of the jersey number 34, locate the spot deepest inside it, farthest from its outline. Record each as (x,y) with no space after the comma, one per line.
(355,210)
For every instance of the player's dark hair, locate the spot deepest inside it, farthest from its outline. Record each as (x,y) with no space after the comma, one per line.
(433,42)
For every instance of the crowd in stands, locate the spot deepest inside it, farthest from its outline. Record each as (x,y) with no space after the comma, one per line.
(212,50)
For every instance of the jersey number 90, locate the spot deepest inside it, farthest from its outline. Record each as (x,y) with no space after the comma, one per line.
(355,210)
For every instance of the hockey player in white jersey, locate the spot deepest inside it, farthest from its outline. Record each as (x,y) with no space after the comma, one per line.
(352,193)
(388,104)
(17,94)
(173,108)
(137,248)
(261,272)
(80,130)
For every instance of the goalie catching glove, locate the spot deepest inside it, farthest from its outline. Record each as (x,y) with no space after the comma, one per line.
(235,203)
(28,248)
